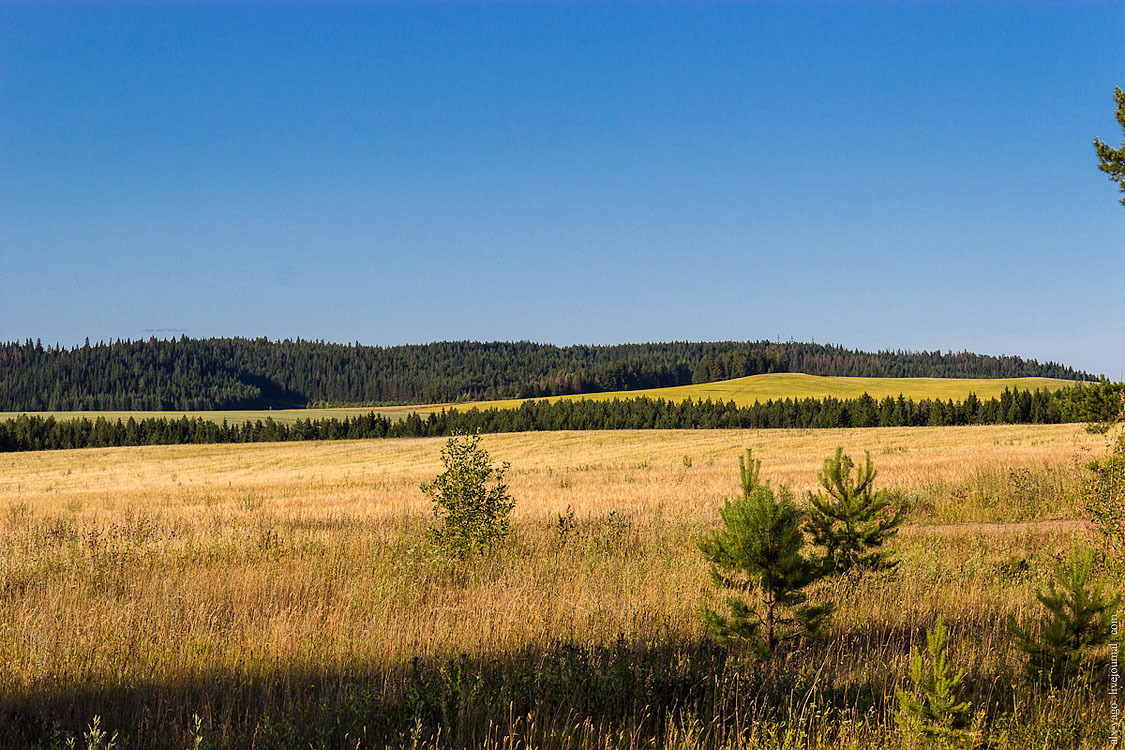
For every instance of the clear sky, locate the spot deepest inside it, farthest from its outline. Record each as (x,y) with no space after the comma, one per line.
(883,176)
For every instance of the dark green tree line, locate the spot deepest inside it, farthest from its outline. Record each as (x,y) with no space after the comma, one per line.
(206,374)
(30,432)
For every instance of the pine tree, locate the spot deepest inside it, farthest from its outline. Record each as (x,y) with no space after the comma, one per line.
(852,521)
(933,712)
(749,470)
(1077,622)
(1112,160)
(758,554)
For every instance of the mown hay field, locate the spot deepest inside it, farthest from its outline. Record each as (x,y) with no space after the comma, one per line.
(594,472)
(285,595)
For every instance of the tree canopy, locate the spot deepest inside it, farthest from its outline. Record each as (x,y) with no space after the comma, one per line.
(1112,160)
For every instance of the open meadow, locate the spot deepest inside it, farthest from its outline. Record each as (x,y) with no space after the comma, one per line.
(285,595)
(561,375)
(795,385)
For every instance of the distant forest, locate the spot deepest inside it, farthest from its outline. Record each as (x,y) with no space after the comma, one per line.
(1098,402)
(237,373)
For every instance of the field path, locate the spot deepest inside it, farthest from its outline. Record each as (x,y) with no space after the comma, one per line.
(959,529)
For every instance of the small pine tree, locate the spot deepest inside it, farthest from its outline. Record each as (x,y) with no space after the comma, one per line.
(758,552)
(1077,622)
(749,469)
(932,713)
(852,521)
(470,498)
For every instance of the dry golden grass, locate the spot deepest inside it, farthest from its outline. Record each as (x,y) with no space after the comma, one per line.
(636,471)
(157,566)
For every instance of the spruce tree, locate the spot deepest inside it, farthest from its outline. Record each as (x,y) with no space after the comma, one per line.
(850,520)
(1076,623)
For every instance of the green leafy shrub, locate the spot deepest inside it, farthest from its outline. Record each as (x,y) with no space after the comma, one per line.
(471,501)
(1105,500)
(564,525)
(1077,622)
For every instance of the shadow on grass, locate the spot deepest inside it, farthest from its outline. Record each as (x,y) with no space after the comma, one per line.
(625,687)
(560,696)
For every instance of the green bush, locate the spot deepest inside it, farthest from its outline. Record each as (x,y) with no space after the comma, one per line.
(1105,503)
(471,501)
(1077,622)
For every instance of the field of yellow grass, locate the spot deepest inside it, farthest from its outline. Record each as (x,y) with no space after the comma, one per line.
(775,386)
(594,472)
(271,589)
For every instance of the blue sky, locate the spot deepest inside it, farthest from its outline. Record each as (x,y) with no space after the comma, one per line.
(882,176)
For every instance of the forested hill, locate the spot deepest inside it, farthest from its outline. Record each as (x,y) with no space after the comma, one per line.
(193,374)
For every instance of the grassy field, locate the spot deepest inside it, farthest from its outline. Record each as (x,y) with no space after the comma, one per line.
(284,595)
(762,388)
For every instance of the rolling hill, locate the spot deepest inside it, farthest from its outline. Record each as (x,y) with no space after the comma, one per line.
(244,374)
(773,386)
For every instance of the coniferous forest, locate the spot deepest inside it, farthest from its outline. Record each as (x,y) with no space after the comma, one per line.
(238,373)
